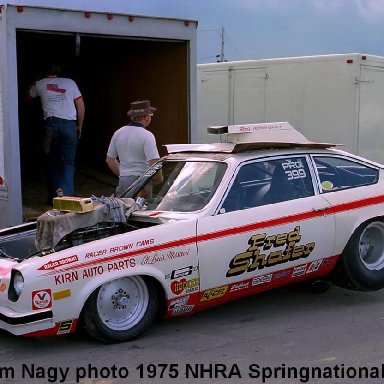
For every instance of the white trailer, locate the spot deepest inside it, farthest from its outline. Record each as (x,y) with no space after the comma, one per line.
(114,58)
(332,98)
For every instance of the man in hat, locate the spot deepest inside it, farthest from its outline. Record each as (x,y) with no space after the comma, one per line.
(133,149)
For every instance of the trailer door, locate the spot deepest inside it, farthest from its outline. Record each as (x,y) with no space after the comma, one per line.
(371,116)
(212,102)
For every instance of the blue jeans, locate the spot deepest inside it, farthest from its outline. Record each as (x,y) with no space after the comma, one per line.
(124,183)
(62,153)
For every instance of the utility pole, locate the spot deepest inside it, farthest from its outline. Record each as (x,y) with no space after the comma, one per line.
(221,56)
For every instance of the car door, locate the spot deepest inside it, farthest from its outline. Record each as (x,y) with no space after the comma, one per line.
(270,229)
(351,187)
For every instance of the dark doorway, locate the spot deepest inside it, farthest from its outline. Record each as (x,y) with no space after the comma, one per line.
(111,72)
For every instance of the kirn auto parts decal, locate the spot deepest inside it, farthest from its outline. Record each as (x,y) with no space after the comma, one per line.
(262,252)
(97,270)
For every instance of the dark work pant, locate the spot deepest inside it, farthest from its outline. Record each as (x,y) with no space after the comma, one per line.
(62,153)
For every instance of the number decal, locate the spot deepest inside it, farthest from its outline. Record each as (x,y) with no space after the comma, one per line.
(294,169)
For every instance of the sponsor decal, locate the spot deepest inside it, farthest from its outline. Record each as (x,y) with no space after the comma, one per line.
(65,327)
(151,171)
(260,127)
(262,279)
(180,302)
(181,272)
(130,246)
(58,295)
(299,271)
(121,248)
(58,263)
(158,257)
(97,270)
(41,299)
(181,310)
(100,252)
(179,286)
(92,271)
(314,266)
(329,260)
(68,277)
(144,243)
(282,274)
(120,265)
(326,185)
(239,286)
(215,293)
(263,253)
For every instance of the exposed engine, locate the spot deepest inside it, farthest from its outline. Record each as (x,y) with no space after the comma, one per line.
(92,233)
(56,230)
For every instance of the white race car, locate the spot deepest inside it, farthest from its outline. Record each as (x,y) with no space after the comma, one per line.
(205,225)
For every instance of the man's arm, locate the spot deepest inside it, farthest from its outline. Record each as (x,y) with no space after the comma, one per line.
(113,165)
(31,93)
(80,108)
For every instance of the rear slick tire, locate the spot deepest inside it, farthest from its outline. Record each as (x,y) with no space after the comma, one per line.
(120,310)
(361,266)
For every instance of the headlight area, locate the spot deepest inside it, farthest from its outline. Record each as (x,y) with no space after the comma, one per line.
(16,286)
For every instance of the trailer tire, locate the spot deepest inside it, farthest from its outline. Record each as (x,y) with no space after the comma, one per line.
(361,266)
(120,310)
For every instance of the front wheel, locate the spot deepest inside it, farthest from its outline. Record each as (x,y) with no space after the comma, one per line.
(362,263)
(121,309)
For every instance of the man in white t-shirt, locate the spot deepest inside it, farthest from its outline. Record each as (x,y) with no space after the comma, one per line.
(133,149)
(63,114)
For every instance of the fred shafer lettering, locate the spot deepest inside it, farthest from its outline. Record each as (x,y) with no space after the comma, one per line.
(259,256)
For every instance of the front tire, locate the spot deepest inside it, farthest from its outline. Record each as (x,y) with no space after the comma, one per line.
(121,310)
(362,263)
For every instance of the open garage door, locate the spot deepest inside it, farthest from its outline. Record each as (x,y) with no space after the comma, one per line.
(111,72)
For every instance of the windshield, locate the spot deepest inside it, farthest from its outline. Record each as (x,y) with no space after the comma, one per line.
(183,186)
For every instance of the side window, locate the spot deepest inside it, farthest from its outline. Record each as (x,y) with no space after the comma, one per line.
(337,173)
(268,182)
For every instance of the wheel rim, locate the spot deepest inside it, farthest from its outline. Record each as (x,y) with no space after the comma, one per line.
(122,303)
(371,246)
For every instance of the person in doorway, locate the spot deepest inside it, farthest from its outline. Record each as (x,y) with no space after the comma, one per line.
(133,149)
(63,114)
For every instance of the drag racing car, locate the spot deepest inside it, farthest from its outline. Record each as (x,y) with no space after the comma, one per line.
(206,224)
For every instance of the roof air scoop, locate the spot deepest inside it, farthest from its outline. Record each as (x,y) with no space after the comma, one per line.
(260,133)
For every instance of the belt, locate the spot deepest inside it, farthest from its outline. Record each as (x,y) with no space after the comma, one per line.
(52,118)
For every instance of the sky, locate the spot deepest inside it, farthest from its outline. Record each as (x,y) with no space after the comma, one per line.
(261,29)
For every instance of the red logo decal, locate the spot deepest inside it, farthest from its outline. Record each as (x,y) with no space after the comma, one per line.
(58,263)
(41,299)
(55,88)
(179,286)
